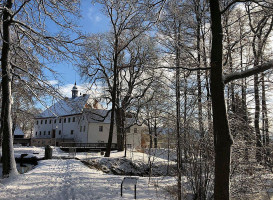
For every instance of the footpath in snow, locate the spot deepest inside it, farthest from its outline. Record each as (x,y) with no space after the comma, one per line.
(65,179)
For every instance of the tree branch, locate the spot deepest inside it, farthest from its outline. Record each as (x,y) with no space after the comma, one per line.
(236,1)
(248,72)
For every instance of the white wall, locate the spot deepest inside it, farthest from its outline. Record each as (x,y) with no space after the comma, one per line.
(89,134)
(64,127)
(95,136)
(134,138)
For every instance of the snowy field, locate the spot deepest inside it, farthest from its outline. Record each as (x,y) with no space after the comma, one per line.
(70,179)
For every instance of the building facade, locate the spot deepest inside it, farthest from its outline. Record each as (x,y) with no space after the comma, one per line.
(80,119)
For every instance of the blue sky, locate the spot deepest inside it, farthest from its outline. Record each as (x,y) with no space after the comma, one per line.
(92,21)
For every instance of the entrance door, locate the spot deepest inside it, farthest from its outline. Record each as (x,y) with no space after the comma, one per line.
(53,133)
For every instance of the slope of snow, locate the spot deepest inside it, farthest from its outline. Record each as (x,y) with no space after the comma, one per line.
(70,179)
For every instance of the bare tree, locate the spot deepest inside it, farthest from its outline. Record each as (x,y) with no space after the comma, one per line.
(223,139)
(26,38)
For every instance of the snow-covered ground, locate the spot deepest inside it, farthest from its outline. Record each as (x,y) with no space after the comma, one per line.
(71,179)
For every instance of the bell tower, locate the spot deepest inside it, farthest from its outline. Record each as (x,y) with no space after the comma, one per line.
(74,91)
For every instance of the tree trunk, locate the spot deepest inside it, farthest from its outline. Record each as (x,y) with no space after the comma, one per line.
(231,95)
(265,120)
(207,80)
(222,137)
(178,118)
(199,94)
(155,132)
(120,128)
(150,133)
(9,165)
(113,100)
(257,119)
(185,124)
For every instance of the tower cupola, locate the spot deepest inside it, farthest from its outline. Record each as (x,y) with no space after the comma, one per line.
(75,91)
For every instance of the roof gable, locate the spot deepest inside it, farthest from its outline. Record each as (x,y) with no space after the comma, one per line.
(69,106)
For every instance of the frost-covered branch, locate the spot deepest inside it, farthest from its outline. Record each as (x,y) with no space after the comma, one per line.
(248,72)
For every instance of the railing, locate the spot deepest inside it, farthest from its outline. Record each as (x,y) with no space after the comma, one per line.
(87,145)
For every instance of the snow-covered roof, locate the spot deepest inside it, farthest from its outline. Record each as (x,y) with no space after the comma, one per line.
(18,131)
(69,106)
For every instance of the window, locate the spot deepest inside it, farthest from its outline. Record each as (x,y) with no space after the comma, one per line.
(64,120)
(72,132)
(40,133)
(60,132)
(55,121)
(44,132)
(68,119)
(73,119)
(84,129)
(45,121)
(82,117)
(135,130)
(50,121)
(48,132)
(100,128)
(37,122)
(81,129)
(60,120)
(36,133)
(41,121)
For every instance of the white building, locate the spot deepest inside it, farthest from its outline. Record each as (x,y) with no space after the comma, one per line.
(80,119)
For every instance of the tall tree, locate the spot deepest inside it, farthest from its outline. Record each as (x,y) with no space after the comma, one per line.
(25,38)
(128,21)
(260,36)
(222,137)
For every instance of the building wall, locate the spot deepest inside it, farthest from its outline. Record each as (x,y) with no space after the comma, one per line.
(83,132)
(64,127)
(82,129)
(97,136)
(133,137)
